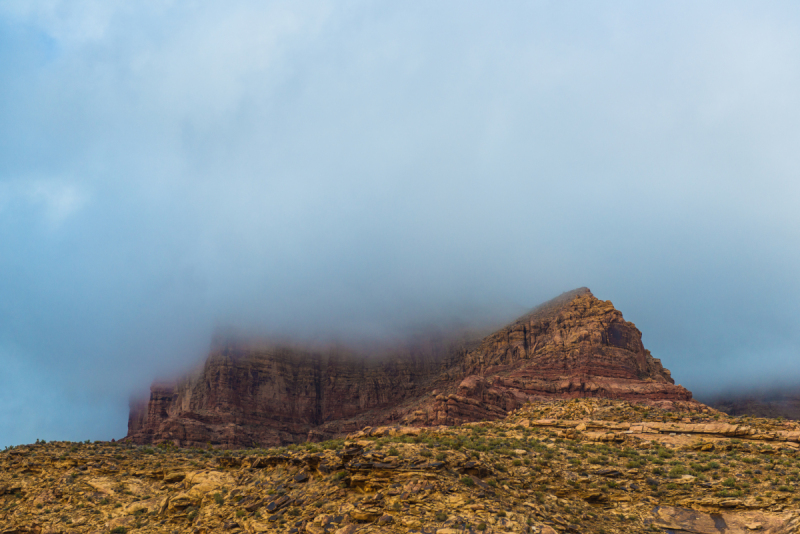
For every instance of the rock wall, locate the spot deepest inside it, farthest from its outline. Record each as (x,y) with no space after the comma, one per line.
(245,395)
(248,395)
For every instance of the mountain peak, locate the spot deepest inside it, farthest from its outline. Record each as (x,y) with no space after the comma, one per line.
(574,345)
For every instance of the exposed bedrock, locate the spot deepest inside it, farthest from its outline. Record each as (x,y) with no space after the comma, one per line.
(249,394)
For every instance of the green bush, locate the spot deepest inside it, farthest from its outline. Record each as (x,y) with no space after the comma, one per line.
(467,481)
(677,471)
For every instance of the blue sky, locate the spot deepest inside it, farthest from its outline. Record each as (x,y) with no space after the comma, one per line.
(353,168)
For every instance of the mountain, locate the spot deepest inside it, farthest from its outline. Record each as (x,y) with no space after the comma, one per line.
(775,402)
(260,394)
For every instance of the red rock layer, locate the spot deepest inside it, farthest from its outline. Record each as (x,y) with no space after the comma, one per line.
(572,346)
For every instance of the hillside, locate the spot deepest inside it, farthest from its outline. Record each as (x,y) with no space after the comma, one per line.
(582,465)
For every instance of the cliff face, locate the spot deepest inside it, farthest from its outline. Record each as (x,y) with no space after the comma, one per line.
(245,395)
(572,346)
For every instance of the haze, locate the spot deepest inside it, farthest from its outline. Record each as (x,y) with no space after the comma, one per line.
(356,169)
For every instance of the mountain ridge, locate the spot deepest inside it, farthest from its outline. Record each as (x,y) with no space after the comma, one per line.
(574,345)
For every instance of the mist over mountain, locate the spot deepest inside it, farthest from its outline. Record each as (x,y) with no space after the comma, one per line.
(364,171)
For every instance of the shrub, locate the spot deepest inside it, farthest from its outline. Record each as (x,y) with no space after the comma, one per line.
(677,471)
(467,481)
(441,516)
(218,498)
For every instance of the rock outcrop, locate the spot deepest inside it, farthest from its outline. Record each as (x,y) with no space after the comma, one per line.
(248,395)
(553,467)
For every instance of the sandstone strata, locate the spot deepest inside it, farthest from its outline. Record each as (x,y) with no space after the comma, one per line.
(250,395)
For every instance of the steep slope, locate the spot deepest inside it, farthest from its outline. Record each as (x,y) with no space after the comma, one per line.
(246,395)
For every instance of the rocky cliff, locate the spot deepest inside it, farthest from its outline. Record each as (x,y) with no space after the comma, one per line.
(249,394)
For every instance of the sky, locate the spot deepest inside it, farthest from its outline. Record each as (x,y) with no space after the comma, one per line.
(350,168)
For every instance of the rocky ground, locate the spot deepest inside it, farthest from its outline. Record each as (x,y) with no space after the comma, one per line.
(583,466)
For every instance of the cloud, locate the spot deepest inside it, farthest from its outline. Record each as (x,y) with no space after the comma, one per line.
(351,168)
(58,200)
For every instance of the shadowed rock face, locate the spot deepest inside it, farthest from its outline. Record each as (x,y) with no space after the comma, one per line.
(246,395)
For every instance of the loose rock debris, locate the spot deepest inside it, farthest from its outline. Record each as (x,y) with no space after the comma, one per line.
(578,466)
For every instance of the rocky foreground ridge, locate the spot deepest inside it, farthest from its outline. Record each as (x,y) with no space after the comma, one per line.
(249,395)
(565,466)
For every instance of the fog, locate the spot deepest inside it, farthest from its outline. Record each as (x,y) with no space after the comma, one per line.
(359,169)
